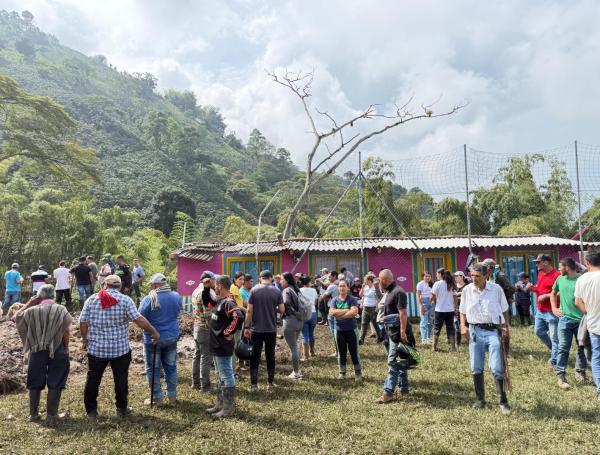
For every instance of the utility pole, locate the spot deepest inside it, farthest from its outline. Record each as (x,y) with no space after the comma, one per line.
(183,234)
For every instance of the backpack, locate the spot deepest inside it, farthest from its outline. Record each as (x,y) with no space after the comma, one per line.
(304,312)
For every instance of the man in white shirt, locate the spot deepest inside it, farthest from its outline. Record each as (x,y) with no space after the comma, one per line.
(484,307)
(587,299)
(38,279)
(63,285)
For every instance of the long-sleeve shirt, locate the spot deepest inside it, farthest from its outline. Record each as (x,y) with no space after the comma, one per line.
(543,286)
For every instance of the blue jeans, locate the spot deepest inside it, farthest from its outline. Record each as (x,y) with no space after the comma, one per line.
(595,339)
(166,355)
(308,329)
(546,328)
(397,374)
(11,297)
(84,292)
(224,367)
(426,319)
(480,342)
(567,330)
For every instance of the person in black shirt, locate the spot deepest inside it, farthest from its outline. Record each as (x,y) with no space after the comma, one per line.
(83,279)
(122,271)
(399,334)
(226,319)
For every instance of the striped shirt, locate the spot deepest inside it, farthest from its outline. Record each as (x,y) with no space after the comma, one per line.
(108,335)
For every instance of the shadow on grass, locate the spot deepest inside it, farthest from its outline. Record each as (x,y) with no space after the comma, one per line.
(545,411)
(130,424)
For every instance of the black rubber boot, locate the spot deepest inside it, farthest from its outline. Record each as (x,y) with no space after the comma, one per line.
(52,403)
(34,405)
(479,391)
(504,406)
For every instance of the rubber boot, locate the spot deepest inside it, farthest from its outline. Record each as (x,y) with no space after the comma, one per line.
(52,403)
(312,348)
(228,403)
(306,351)
(504,406)
(219,404)
(479,391)
(436,339)
(34,405)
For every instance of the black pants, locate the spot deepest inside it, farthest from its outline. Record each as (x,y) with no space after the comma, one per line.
(135,287)
(63,292)
(43,370)
(444,318)
(323,309)
(96,367)
(524,310)
(346,340)
(369,316)
(270,340)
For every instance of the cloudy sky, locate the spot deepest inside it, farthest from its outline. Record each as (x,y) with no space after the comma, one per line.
(528,70)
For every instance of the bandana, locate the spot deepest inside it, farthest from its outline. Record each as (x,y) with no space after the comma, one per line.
(106,300)
(153,294)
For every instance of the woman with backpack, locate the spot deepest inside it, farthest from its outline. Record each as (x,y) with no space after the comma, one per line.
(442,296)
(308,329)
(292,324)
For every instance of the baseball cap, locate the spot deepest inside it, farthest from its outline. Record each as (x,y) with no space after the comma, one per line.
(113,280)
(522,274)
(488,262)
(158,278)
(543,257)
(14,265)
(266,274)
(207,274)
(41,267)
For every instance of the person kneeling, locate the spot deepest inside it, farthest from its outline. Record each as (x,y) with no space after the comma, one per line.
(226,319)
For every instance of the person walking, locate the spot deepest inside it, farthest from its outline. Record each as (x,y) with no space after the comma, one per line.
(104,326)
(399,335)
(523,299)
(161,307)
(227,319)
(546,324)
(368,294)
(44,328)
(461,282)
(426,308)
(204,300)
(308,328)
(292,326)
(264,303)
(137,279)
(343,309)
(38,279)
(94,268)
(587,299)
(83,279)
(63,283)
(484,307)
(442,296)
(12,294)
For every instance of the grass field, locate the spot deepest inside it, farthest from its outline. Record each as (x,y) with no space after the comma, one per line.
(323,415)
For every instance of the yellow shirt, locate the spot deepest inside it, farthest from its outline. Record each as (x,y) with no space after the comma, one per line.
(235,292)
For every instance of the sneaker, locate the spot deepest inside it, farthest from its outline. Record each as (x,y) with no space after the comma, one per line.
(35,417)
(253,388)
(580,377)
(295,375)
(341,376)
(505,409)
(478,404)
(358,377)
(271,386)
(385,398)
(562,382)
(123,412)
(157,403)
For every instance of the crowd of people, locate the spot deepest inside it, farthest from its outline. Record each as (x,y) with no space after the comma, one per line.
(235,317)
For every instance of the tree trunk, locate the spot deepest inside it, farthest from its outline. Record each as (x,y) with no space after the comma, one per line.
(291,221)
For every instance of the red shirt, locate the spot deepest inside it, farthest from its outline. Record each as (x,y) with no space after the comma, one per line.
(544,285)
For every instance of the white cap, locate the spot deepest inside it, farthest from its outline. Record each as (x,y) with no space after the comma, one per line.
(158,278)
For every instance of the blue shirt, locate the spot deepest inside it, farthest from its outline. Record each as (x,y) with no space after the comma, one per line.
(166,319)
(245,293)
(338,304)
(108,334)
(12,278)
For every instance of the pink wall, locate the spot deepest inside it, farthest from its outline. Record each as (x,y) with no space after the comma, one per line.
(568,251)
(400,262)
(189,271)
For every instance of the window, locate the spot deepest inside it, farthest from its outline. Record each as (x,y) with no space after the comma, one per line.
(247,264)
(336,262)
(433,261)
(515,262)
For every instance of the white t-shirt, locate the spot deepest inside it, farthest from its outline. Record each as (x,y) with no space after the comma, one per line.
(587,289)
(369,296)
(61,275)
(425,289)
(311,295)
(483,306)
(444,299)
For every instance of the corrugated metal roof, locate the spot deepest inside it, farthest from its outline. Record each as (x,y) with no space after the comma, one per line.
(206,251)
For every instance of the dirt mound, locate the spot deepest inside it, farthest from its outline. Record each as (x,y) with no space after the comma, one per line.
(12,378)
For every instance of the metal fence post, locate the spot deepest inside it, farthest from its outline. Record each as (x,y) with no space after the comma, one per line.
(579,204)
(468,199)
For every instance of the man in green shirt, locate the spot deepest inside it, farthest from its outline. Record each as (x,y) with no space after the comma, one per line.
(568,322)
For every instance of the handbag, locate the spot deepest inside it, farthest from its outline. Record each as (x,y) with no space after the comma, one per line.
(245,349)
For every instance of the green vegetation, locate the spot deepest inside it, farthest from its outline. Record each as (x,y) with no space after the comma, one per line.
(320,414)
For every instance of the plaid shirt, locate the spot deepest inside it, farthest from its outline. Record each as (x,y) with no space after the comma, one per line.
(203,312)
(108,335)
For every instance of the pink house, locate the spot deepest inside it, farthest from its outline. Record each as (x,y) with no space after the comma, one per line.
(406,258)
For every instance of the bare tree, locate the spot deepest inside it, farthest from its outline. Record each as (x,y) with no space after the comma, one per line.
(317,169)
